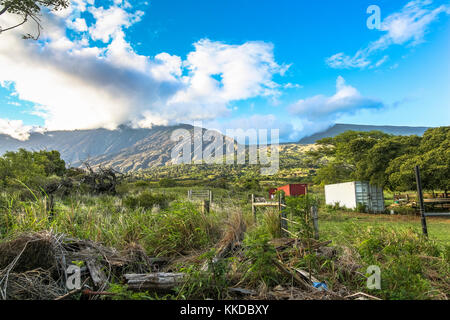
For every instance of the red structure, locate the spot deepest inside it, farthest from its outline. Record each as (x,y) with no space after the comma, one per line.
(295,189)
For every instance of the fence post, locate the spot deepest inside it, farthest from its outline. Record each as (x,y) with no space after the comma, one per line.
(253,207)
(315,217)
(422,207)
(205,207)
(210,196)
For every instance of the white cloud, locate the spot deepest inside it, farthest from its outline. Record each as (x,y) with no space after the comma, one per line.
(381,61)
(292,86)
(321,110)
(15,128)
(219,73)
(407,27)
(79,25)
(287,130)
(111,21)
(75,85)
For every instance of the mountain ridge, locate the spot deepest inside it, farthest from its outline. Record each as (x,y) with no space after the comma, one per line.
(128,149)
(342,127)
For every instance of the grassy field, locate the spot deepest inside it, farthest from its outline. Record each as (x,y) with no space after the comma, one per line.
(162,222)
(332,224)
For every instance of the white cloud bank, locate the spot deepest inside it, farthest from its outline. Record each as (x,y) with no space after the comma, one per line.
(15,128)
(408,26)
(318,112)
(75,83)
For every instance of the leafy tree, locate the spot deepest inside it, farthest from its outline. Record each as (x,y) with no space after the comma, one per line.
(51,161)
(433,158)
(333,172)
(29,10)
(386,160)
(345,152)
(372,166)
(30,167)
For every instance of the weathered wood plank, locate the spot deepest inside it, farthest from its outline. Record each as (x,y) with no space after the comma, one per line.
(97,275)
(159,281)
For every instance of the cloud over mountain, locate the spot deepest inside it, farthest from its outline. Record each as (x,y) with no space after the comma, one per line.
(320,111)
(94,78)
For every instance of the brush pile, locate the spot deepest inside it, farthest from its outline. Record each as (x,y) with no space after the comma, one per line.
(36,266)
(40,266)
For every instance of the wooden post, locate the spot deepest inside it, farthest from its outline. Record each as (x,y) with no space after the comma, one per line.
(190,194)
(315,218)
(205,207)
(279,202)
(210,196)
(253,207)
(422,207)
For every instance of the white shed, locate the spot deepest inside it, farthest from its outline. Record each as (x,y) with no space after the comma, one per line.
(349,194)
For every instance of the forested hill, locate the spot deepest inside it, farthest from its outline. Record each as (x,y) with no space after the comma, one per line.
(341,127)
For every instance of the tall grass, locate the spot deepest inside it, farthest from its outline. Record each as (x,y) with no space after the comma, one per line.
(178,228)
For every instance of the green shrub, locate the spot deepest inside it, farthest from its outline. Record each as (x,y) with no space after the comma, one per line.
(180,228)
(210,284)
(405,258)
(147,200)
(261,255)
(123,189)
(142,183)
(167,183)
(299,210)
(361,208)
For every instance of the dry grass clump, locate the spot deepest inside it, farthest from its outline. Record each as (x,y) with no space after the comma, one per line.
(33,251)
(36,284)
(233,234)
(30,267)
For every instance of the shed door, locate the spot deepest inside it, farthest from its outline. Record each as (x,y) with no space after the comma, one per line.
(376,199)
(362,193)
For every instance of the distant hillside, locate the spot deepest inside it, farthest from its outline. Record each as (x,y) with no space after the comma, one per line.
(125,149)
(340,128)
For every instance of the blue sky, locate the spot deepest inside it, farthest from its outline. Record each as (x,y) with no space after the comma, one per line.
(299,66)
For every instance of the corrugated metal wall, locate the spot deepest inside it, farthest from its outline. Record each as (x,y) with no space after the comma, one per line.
(369,195)
(349,194)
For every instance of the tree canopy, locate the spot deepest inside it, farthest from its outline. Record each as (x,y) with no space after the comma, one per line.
(29,167)
(29,10)
(386,160)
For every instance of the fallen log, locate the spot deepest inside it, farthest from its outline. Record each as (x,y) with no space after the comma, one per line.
(158,282)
